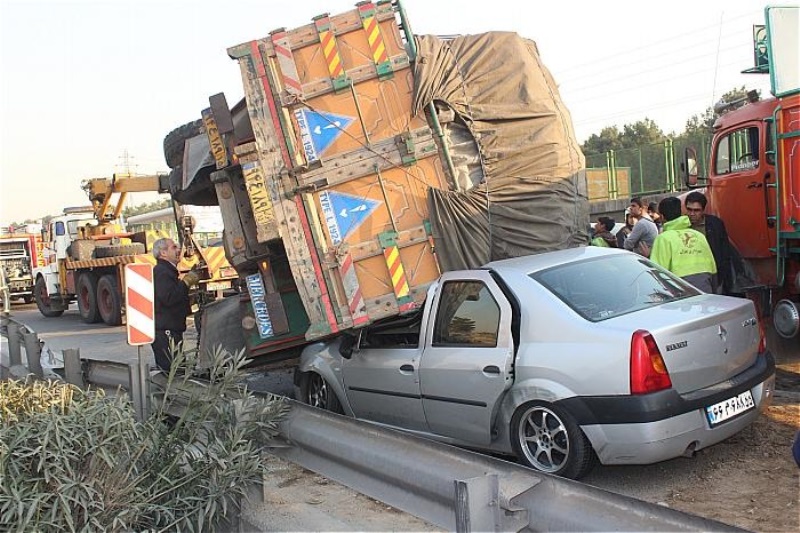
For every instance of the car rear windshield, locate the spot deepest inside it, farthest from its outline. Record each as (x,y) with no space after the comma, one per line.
(613,285)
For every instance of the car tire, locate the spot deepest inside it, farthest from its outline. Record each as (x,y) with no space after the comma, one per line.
(109,301)
(317,392)
(116,250)
(43,300)
(546,438)
(86,292)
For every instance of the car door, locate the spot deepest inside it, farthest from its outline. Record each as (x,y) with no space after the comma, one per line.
(381,377)
(467,363)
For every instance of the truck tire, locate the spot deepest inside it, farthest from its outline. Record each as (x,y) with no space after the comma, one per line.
(109,300)
(175,141)
(86,292)
(43,300)
(81,250)
(116,250)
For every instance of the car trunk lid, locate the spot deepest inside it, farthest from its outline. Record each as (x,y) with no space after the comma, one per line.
(716,344)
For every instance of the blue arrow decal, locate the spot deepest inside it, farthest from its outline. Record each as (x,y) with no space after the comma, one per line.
(344,213)
(319,130)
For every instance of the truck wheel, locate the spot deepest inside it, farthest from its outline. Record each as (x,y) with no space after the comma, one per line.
(86,292)
(28,298)
(43,299)
(175,141)
(316,392)
(116,250)
(546,438)
(109,301)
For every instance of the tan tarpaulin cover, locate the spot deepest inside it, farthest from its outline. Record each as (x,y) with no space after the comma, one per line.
(533,198)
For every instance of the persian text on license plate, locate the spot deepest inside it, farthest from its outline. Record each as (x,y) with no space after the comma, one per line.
(722,411)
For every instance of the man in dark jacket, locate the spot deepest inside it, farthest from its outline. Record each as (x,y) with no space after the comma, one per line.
(717,236)
(171,300)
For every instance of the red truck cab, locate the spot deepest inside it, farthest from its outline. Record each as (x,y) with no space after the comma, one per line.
(753,179)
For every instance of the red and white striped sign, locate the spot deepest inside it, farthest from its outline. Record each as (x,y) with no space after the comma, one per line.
(139,306)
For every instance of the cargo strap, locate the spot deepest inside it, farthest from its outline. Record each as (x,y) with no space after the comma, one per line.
(391,252)
(355,299)
(330,50)
(366,10)
(283,52)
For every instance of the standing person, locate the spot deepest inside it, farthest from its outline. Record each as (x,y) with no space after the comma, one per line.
(644,230)
(626,230)
(682,250)
(652,210)
(716,235)
(602,233)
(171,300)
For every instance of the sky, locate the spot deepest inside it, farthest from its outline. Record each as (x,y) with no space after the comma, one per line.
(89,88)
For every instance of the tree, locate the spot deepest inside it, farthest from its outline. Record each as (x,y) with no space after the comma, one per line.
(608,139)
(633,135)
(701,125)
(146,207)
(641,133)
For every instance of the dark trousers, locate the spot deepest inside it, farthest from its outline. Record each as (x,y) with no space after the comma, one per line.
(161,349)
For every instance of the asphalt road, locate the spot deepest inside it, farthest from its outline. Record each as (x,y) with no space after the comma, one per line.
(104,343)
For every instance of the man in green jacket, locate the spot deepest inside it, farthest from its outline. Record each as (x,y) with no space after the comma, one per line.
(681,250)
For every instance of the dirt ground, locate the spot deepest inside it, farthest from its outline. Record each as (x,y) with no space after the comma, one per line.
(751,480)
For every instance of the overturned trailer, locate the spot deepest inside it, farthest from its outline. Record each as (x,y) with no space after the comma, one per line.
(364,161)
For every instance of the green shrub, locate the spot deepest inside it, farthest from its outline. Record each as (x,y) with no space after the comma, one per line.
(86,464)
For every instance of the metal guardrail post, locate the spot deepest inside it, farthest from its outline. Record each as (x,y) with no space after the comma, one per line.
(33,351)
(73,368)
(14,346)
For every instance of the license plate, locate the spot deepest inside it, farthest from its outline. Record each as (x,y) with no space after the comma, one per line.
(218,285)
(725,410)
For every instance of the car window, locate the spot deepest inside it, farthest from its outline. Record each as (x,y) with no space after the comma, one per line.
(392,335)
(609,286)
(468,315)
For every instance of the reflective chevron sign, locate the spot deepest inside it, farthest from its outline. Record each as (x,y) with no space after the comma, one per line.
(139,307)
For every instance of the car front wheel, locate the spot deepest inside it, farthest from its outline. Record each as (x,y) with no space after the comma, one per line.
(317,392)
(546,438)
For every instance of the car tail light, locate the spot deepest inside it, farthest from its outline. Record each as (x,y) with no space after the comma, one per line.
(648,370)
(762,338)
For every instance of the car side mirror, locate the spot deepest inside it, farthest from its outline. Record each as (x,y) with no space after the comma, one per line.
(349,344)
(689,167)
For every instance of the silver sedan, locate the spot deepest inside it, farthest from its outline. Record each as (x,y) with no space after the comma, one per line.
(560,359)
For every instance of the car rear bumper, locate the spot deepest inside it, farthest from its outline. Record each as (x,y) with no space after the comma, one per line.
(651,442)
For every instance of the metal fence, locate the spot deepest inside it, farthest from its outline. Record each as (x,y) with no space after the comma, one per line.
(642,171)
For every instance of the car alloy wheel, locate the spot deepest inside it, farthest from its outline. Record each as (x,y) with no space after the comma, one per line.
(545,437)
(316,392)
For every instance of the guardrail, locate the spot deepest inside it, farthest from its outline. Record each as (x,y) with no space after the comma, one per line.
(20,338)
(447,486)
(461,490)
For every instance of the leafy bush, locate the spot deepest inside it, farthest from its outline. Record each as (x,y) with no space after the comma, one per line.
(82,462)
